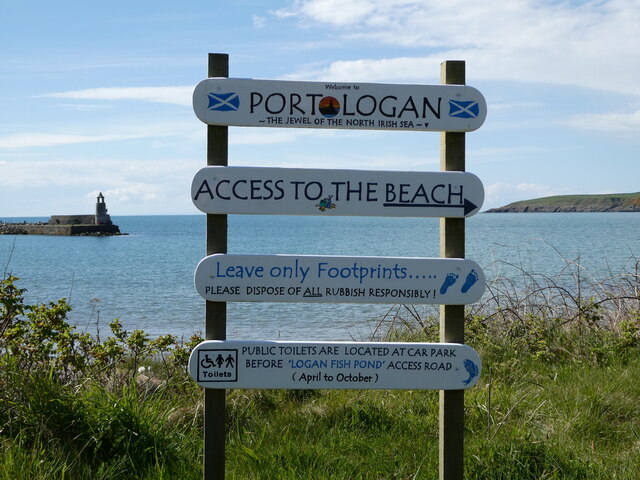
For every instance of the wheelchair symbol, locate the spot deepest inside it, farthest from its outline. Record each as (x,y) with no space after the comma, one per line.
(206,362)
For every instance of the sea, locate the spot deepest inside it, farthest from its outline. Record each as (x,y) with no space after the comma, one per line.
(145,278)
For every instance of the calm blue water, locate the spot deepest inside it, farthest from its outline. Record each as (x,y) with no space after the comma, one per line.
(146,278)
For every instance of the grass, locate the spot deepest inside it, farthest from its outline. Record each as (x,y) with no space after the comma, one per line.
(557,399)
(548,423)
(52,430)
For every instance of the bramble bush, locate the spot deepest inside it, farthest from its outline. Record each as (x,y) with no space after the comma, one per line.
(40,337)
(85,405)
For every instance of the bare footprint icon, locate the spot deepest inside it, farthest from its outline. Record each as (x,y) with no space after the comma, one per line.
(470,281)
(449,280)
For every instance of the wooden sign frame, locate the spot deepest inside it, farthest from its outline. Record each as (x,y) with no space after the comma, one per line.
(466,116)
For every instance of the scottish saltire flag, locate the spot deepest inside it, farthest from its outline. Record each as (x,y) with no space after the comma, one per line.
(224,102)
(461,109)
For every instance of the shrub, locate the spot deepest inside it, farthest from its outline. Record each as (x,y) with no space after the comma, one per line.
(88,400)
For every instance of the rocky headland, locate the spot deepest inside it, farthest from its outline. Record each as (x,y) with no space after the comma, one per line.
(618,202)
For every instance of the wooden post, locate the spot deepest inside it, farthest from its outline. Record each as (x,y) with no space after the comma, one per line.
(452,245)
(216,312)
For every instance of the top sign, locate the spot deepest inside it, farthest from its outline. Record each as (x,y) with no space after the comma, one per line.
(362,106)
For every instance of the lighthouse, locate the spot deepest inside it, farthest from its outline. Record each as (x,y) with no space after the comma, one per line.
(102,217)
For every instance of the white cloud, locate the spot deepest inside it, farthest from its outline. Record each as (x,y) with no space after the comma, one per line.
(332,12)
(259,21)
(119,132)
(261,137)
(130,180)
(547,41)
(518,106)
(172,95)
(372,70)
(270,136)
(135,192)
(354,161)
(512,155)
(25,140)
(500,194)
(84,107)
(163,131)
(607,122)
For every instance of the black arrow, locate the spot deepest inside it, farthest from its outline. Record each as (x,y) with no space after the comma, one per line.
(468,205)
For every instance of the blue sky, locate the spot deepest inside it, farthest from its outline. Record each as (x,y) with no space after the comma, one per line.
(97,96)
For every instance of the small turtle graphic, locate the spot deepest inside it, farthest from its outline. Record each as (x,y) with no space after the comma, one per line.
(326,203)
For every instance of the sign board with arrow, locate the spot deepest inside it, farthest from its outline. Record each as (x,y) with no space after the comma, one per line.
(299,191)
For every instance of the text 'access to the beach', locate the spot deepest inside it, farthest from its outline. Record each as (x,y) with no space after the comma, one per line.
(363,106)
(334,365)
(338,279)
(306,191)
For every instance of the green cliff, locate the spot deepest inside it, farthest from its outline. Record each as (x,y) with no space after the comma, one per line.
(616,202)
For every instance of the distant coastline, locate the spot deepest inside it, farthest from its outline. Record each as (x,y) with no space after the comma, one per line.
(615,202)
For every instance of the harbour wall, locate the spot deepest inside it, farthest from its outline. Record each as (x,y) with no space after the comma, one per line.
(72,220)
(60,230)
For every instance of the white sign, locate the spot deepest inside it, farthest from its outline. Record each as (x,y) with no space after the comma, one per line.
(370,106)
(334,365)
(299,191)
(337,279)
